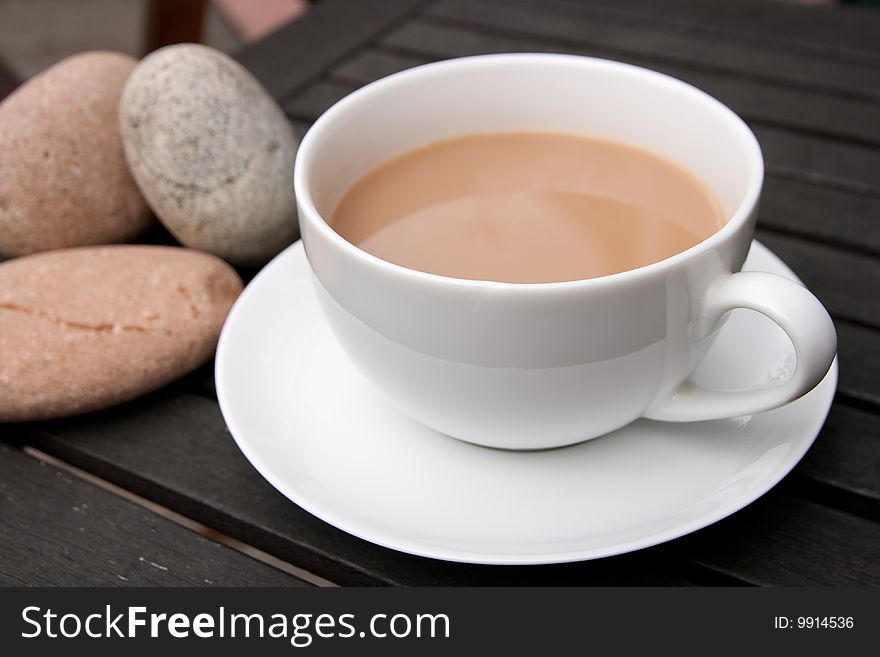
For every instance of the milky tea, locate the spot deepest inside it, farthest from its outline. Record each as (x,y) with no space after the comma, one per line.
(527,207)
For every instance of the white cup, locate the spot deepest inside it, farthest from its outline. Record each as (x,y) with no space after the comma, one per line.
(530,366)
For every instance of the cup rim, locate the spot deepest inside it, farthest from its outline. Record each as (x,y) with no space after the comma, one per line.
(305,153)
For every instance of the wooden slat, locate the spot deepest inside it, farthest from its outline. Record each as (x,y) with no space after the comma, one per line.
(819,160)
(315,99)
(585,25)
(794,109)
(839,278)
(859,352)
(61,531)
(177,452)
(302,49)
(829,216)
(846,33)
(784,541)
(371,64)
(843,466)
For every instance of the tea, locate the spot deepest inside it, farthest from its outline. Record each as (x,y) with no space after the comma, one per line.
(527,207)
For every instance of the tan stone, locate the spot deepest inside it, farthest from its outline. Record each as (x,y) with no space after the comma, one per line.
(82,329)
(63,177)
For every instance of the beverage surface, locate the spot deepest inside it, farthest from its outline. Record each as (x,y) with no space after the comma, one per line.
(527,207)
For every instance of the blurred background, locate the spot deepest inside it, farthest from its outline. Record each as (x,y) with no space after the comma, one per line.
(34,34)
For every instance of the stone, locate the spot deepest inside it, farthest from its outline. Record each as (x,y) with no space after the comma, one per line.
(85,328)
(212,152)
(63,177)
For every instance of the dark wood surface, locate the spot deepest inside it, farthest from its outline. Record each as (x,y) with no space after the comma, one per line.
(60,530)
(807,80)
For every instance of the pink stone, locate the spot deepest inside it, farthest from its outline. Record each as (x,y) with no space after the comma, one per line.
(85,328)
(63,177)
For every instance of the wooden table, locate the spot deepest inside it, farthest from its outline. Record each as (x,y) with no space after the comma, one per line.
(156,492)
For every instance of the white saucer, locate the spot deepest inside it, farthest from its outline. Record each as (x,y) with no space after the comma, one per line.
(317,431)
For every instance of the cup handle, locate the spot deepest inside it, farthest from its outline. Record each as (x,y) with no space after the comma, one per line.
(794,309)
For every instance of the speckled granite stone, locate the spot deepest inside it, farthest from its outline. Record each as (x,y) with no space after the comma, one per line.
(63,177)
(85,328)
(212,153)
